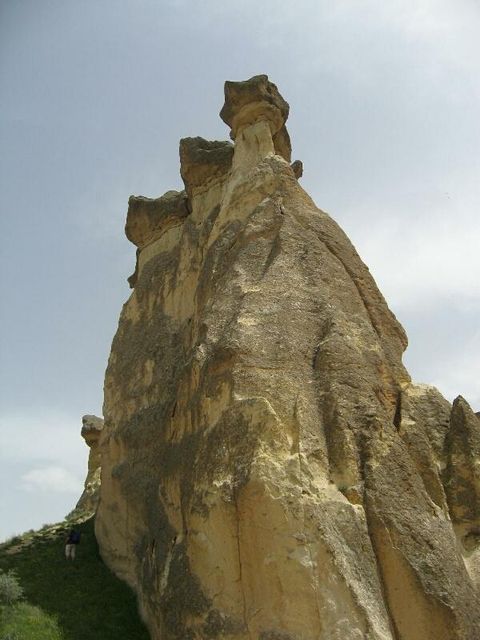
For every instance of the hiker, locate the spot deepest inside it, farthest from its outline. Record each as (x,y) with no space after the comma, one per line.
(73,539)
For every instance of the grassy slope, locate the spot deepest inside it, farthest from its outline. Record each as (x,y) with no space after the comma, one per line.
(89,602)
(23,621)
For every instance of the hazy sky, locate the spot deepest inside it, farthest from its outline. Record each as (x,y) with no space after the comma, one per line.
(94,96)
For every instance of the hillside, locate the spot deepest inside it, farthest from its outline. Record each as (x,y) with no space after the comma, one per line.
(88,601)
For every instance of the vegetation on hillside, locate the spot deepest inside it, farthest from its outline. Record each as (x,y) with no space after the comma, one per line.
(23,621)
(50,598)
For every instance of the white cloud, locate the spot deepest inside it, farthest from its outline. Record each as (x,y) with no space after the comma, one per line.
(51,480)
(461,373)
(42,435)
(342,30)
(48,460)
(423,249)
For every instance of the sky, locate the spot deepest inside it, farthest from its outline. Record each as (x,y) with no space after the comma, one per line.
(94,97)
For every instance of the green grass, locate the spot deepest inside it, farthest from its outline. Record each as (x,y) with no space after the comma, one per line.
(84,597)
(24,622)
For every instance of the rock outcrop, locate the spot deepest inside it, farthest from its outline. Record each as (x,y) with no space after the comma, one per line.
(92,427)
(269,471)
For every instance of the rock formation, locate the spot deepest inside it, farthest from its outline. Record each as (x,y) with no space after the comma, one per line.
(269,470)
(91,430)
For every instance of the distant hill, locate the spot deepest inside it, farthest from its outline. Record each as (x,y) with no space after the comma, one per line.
(87,600)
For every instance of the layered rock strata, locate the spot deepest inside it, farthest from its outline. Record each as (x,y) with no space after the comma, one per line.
(269,470)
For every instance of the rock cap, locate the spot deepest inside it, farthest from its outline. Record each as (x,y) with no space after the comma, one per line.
(252,100)
(92,427)
(148,218)
(202,160)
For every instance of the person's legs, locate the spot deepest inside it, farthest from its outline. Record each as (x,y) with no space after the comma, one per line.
(69,551)
(72,552)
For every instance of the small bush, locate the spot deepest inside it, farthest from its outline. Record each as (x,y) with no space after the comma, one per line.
(10,589)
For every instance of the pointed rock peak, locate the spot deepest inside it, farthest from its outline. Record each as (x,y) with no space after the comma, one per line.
(461,407)
(202,160)
(462,473)
(252,100)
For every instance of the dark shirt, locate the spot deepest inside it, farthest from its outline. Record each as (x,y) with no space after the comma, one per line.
(73,537)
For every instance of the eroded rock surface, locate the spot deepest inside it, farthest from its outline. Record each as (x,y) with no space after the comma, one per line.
(92,427)
(269,470)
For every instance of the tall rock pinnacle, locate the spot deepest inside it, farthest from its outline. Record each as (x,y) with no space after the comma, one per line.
(92,427)
(269,470)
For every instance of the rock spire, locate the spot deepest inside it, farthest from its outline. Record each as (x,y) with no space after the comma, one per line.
(269,470)
(92,427)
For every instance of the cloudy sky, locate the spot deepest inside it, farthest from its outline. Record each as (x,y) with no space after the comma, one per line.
(94,96)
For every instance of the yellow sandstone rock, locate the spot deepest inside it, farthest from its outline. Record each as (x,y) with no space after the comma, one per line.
(92,427)
(269,471)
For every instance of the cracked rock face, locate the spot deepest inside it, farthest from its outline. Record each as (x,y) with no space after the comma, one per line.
(269,470)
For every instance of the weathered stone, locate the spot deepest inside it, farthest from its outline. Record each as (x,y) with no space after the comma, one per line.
(462,483)
(297,168)
(462,474)
(92,428)
(202,161)
(269,470)
(257,100)
(427,588)
(282,144)
(149,218)
(247,101)
(424,418)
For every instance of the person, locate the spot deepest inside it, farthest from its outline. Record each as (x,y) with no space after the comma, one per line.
(73,539)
